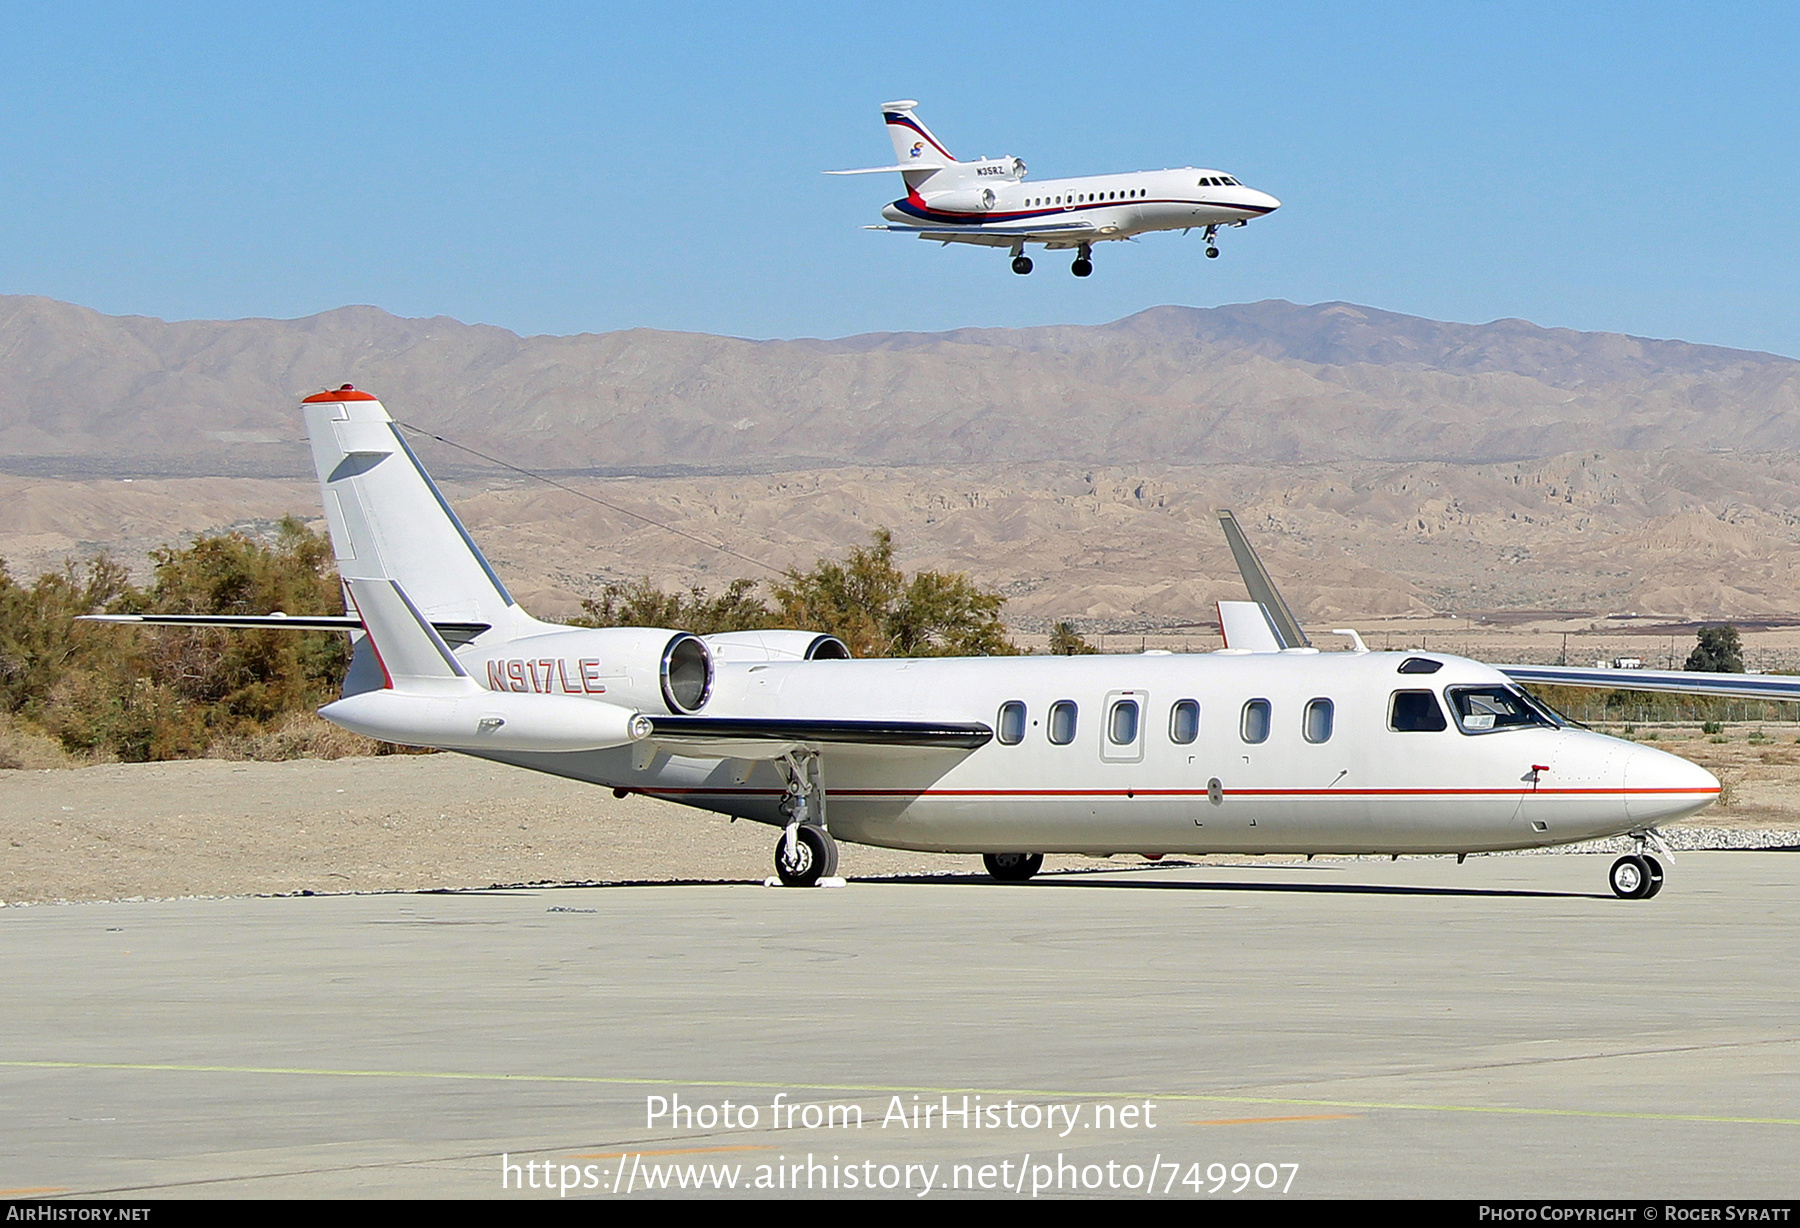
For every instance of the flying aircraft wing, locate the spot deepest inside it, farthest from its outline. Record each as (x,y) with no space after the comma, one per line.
(1055,232)
(1673,681)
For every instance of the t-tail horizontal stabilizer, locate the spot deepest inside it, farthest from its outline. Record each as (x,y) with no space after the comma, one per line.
(430,700)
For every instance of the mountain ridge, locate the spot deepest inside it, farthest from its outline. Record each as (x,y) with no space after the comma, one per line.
(1267,382)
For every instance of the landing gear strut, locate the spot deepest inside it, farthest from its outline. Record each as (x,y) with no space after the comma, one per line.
(806,852)
(1084,261)
(1012,867)
(1212,250)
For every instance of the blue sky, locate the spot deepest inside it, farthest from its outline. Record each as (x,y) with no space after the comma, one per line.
(573,168)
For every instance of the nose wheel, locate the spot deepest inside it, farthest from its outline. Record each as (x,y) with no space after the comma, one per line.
(1212,249)
(1636,876)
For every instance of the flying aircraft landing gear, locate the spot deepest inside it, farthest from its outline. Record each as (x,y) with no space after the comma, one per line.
(1012,867)
(1021,265)
(1212,250)
(1084,261)
(806,852)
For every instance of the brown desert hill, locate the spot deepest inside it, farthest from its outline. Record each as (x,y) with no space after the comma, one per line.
(1256,383)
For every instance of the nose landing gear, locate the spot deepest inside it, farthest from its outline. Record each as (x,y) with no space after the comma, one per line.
(1212,249)
(1638,876)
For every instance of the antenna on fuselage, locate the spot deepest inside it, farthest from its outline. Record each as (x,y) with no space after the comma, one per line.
(1262,589)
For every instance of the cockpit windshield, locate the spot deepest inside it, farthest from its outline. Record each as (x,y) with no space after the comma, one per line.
(1490,709)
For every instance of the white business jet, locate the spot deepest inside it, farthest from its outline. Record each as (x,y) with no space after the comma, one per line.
(988,201)
(1268,746)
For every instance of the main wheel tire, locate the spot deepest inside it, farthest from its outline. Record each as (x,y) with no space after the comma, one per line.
(1012,867)
(1081,268)
(1630,878)
(815,857)
(1656,876)
(1021,265)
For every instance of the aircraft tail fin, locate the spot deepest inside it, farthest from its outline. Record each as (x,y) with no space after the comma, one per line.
(917,153)
(1262,589)
(388,521)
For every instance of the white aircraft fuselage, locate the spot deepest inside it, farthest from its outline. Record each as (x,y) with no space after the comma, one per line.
(1364,788)
(1110,206)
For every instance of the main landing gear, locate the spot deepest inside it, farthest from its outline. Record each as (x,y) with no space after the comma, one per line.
(1637,875)
(1021,265)
(1084,261)
(806,852)
(1012,867)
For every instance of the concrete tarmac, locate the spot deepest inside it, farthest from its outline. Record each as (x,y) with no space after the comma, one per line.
(1502,1029)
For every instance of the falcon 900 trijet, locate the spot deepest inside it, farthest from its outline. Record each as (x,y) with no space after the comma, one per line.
(988,202)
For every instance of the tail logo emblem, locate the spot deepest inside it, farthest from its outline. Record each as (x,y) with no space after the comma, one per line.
(918,148)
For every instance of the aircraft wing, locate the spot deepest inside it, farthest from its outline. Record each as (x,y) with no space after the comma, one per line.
(1051,233)
(1673,681)
(704,731)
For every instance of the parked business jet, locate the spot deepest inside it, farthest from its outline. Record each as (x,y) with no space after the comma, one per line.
(988,201)
(1265,747)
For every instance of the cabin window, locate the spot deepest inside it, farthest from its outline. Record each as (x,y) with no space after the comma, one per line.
(1485,709)
(1122,726)
(1062,722)
(1317,725)
(1255,726)
(1184,721)
(1012,722)
(1415,712)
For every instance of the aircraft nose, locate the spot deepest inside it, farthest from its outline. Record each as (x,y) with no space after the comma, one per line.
(1660,787)
(1265,200)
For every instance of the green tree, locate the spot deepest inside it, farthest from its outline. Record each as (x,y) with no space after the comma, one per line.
(1065,641)
(878,611)
(1719,651)
(40,641)
(642,604)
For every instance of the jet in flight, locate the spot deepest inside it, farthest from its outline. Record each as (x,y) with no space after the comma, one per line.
(988,202)
(1268,746)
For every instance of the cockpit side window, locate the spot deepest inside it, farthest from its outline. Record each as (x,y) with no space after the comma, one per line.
(1415,712)
(1489,709)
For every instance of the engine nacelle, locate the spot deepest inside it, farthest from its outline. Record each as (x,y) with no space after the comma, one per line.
(647,669)
(963,200)
(734,647)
